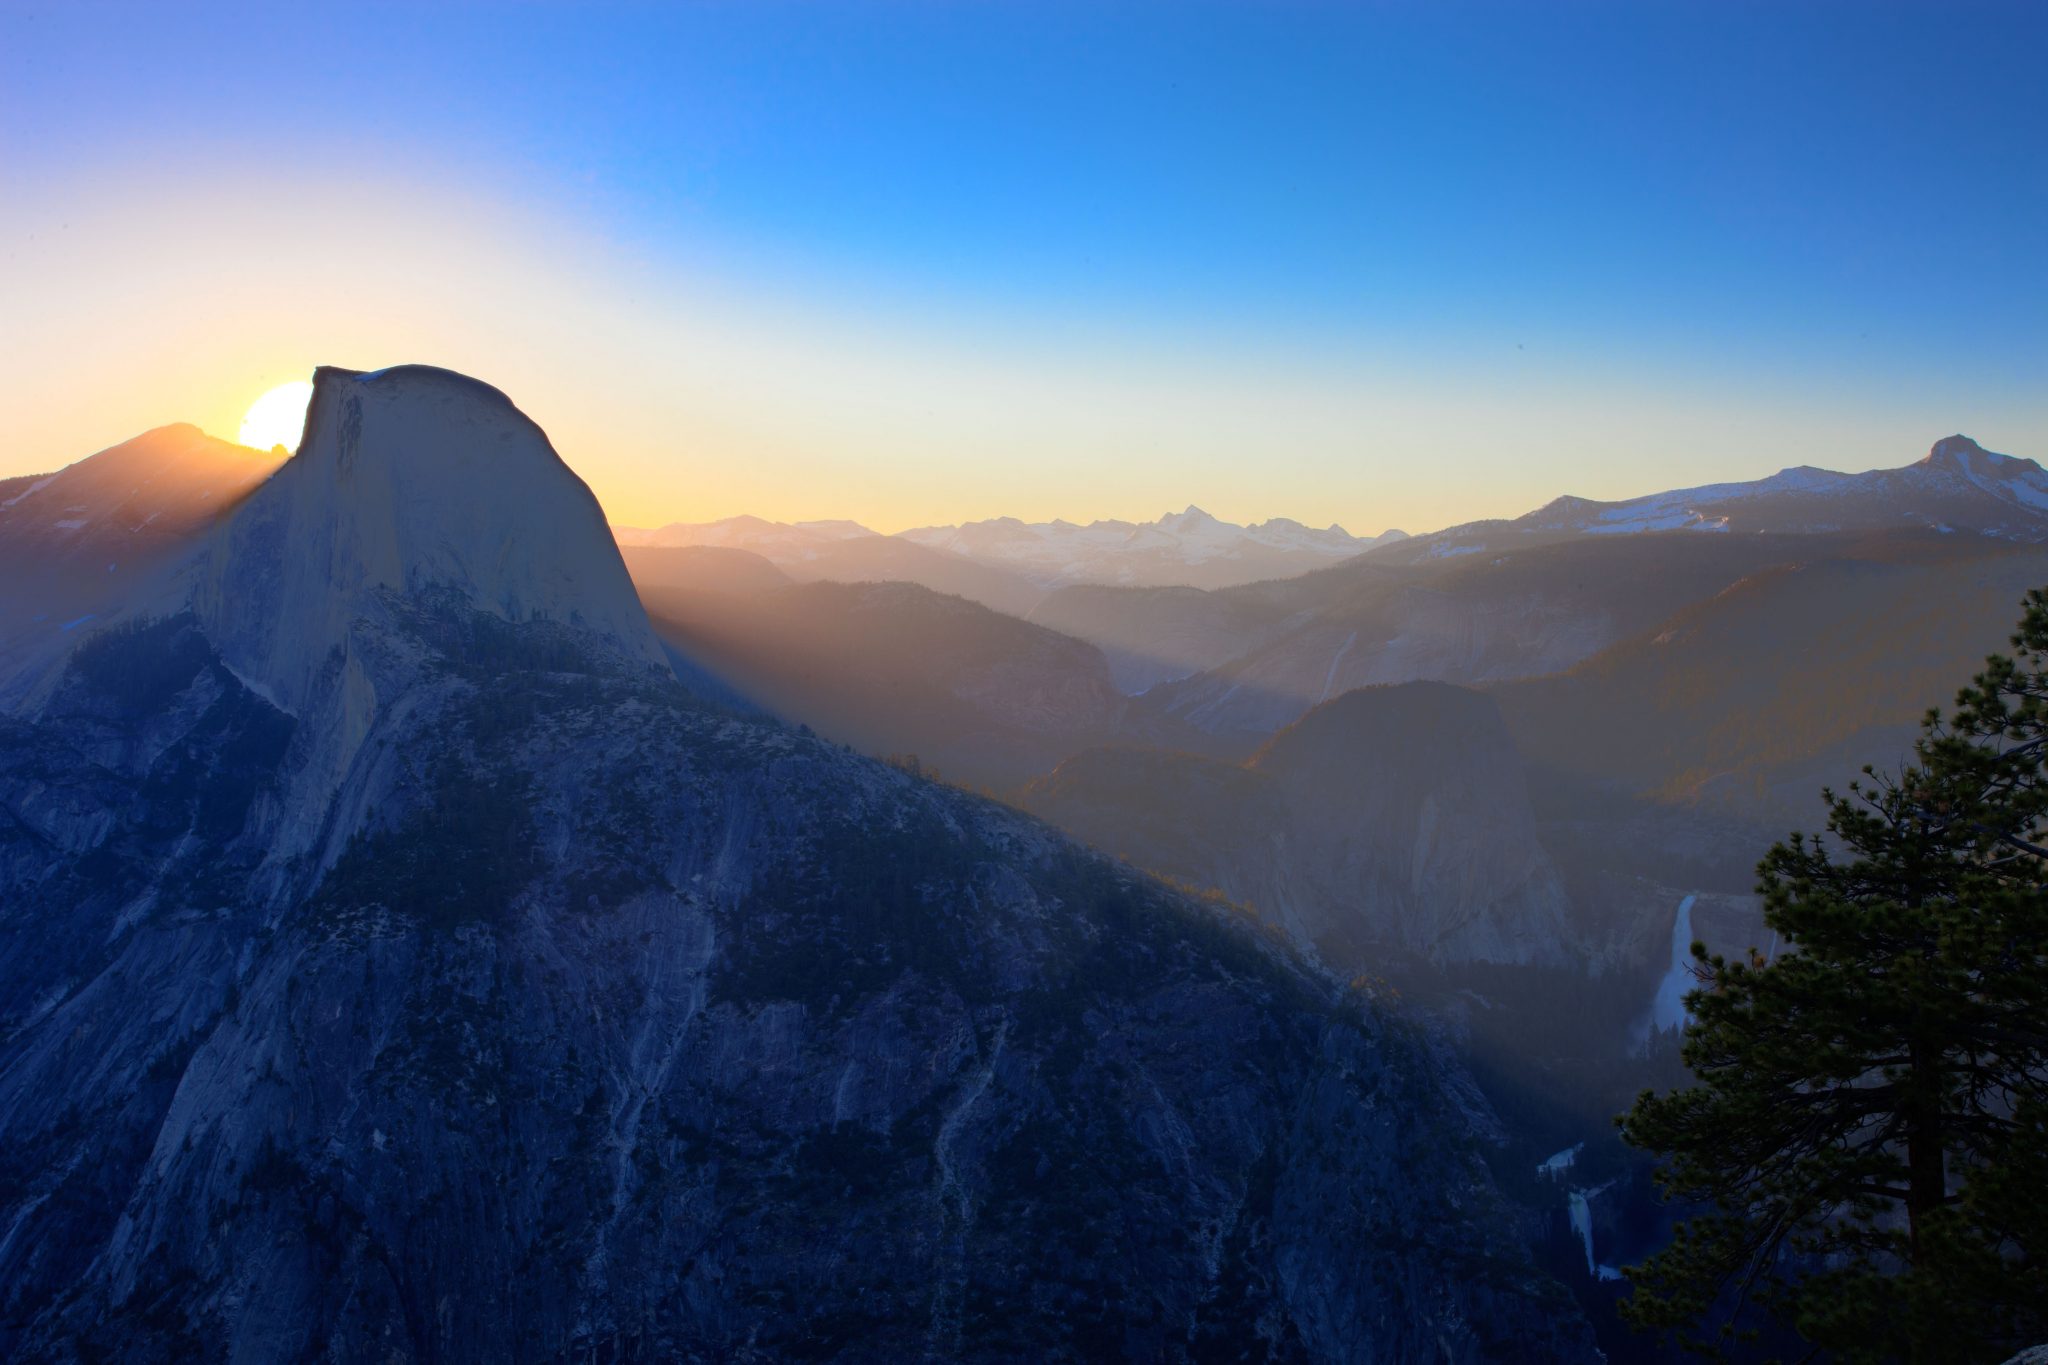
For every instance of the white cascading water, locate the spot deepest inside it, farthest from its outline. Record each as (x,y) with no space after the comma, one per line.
(1557,1165)
(1582,1224)
(1667,1011)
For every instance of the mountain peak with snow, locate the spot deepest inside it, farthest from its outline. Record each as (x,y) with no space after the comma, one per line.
(1191,547)
(1957,487)
(1956,450)
(1962,455)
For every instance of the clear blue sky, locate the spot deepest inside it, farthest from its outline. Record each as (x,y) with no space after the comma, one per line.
(1832,216)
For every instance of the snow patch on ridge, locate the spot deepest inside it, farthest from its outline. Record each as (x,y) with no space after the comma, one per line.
(35,487)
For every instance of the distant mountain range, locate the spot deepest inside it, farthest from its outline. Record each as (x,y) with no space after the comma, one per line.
(1046,570)
(1503,599)
(1958,487)
(1189,548)
(804,554)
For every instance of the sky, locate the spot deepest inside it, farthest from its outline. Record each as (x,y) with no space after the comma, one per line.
(1374,264)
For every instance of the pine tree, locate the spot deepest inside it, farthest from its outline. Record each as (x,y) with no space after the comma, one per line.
(1868,1134)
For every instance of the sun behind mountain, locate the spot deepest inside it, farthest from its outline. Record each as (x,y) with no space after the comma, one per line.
(278,417)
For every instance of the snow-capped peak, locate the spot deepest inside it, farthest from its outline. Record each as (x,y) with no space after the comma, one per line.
(1190,546)
(2008,478)
(1192,520)
(1960,452)
(1957,486)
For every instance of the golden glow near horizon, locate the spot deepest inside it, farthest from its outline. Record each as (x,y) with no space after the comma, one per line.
(681,392)
(278,417)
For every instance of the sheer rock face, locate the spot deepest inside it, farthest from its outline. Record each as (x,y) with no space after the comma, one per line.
(410,481)
(413,487)
(570,1018)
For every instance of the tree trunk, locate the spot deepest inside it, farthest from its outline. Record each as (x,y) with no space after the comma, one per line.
(1926,1162)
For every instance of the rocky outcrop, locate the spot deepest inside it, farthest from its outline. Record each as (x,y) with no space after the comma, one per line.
(410,480)
(417,495)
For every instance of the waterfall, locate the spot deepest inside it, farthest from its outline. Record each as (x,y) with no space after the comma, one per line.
(1582,1223)
(1667,1011)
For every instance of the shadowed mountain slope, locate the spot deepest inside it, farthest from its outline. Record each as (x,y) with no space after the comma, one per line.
(1391,818)
(842,552)
(1791,678)
(712,568)
(1156,635)
(1471,619)
(894,669)
(78,545)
